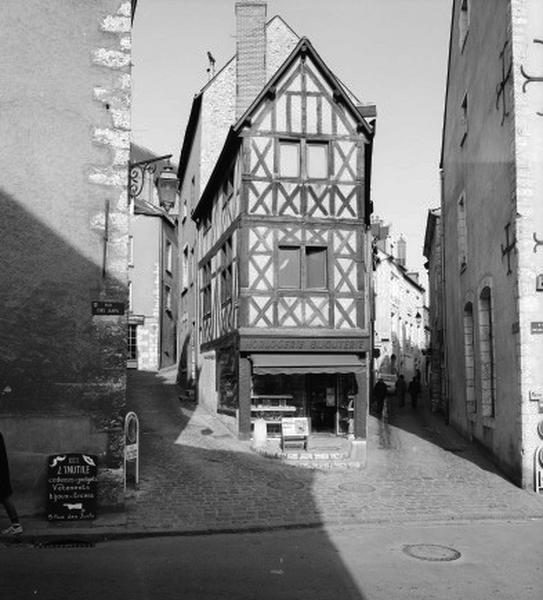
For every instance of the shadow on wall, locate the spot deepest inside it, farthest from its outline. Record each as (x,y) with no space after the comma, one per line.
(61,369)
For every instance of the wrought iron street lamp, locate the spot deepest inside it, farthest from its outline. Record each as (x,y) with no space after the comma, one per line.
(167,184)
(166,181)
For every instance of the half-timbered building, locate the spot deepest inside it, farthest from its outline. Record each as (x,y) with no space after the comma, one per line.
(281,251)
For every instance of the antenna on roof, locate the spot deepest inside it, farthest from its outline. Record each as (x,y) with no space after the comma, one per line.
(211,68)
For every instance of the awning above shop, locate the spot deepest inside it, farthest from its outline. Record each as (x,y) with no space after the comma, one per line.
(292,364)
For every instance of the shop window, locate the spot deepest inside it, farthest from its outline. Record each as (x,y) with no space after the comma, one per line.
(317,160)
(289,267)
(289,159)
(316,271)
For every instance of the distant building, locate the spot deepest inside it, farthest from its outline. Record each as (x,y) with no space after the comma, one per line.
(492,219)
(435,353)
(275,171)
(152,273)
(65,128)
(400,334)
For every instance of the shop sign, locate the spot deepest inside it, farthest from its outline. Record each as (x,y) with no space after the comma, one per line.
(536,327)
(71,487)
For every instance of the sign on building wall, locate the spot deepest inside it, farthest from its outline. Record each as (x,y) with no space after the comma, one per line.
(71,487)
(101,308)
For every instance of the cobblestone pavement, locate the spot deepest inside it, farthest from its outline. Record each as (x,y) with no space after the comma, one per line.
(197,476)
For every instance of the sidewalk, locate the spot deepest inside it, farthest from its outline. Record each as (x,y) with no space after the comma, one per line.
(196,477)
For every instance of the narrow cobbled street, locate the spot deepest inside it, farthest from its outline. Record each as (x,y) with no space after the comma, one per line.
(196,476)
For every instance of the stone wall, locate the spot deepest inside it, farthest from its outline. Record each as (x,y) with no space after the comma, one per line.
(527,27)
(65,127)
(492,156)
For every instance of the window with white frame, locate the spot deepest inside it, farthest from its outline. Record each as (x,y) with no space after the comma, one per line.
(289,158)
(309,159)
(302,267)
(168,259)
(185,267)
(317,160)
(168,298)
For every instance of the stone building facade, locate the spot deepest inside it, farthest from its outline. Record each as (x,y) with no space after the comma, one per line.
(434,266)
(492,217)
(65,127)
(400,333)
(152,270)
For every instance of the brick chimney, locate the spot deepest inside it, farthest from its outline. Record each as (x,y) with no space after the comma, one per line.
(251,52)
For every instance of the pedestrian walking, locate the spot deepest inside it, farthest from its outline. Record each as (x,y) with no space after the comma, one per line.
(379,395)
(401,388)
(6,491)
(414,391)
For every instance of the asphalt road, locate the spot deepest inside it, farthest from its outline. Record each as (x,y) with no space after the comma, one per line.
(490,560)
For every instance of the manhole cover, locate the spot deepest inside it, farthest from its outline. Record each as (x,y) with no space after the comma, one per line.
(432,552)
(206,431)
(285,484)
(357,486)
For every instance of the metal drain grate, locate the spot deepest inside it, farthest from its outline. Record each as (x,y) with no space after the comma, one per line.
(68,543)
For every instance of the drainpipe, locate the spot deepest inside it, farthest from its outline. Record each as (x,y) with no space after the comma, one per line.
(445,374)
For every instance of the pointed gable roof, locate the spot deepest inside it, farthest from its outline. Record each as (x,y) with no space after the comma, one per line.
(341,94)
(233,139)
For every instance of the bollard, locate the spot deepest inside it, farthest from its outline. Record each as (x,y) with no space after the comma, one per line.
(260,433)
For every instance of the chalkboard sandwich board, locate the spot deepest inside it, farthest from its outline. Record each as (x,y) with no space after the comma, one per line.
(71,487)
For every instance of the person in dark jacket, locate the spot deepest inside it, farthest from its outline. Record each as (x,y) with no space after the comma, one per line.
(379,394)
(414,391)
(401,388)
(6,491)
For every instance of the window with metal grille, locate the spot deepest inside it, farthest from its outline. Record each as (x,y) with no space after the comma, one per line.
(132,342)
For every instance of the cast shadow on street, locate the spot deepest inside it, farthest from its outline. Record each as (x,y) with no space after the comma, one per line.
(430,427)
(196,477)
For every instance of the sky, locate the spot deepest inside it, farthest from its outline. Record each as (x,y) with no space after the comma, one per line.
(390,52)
